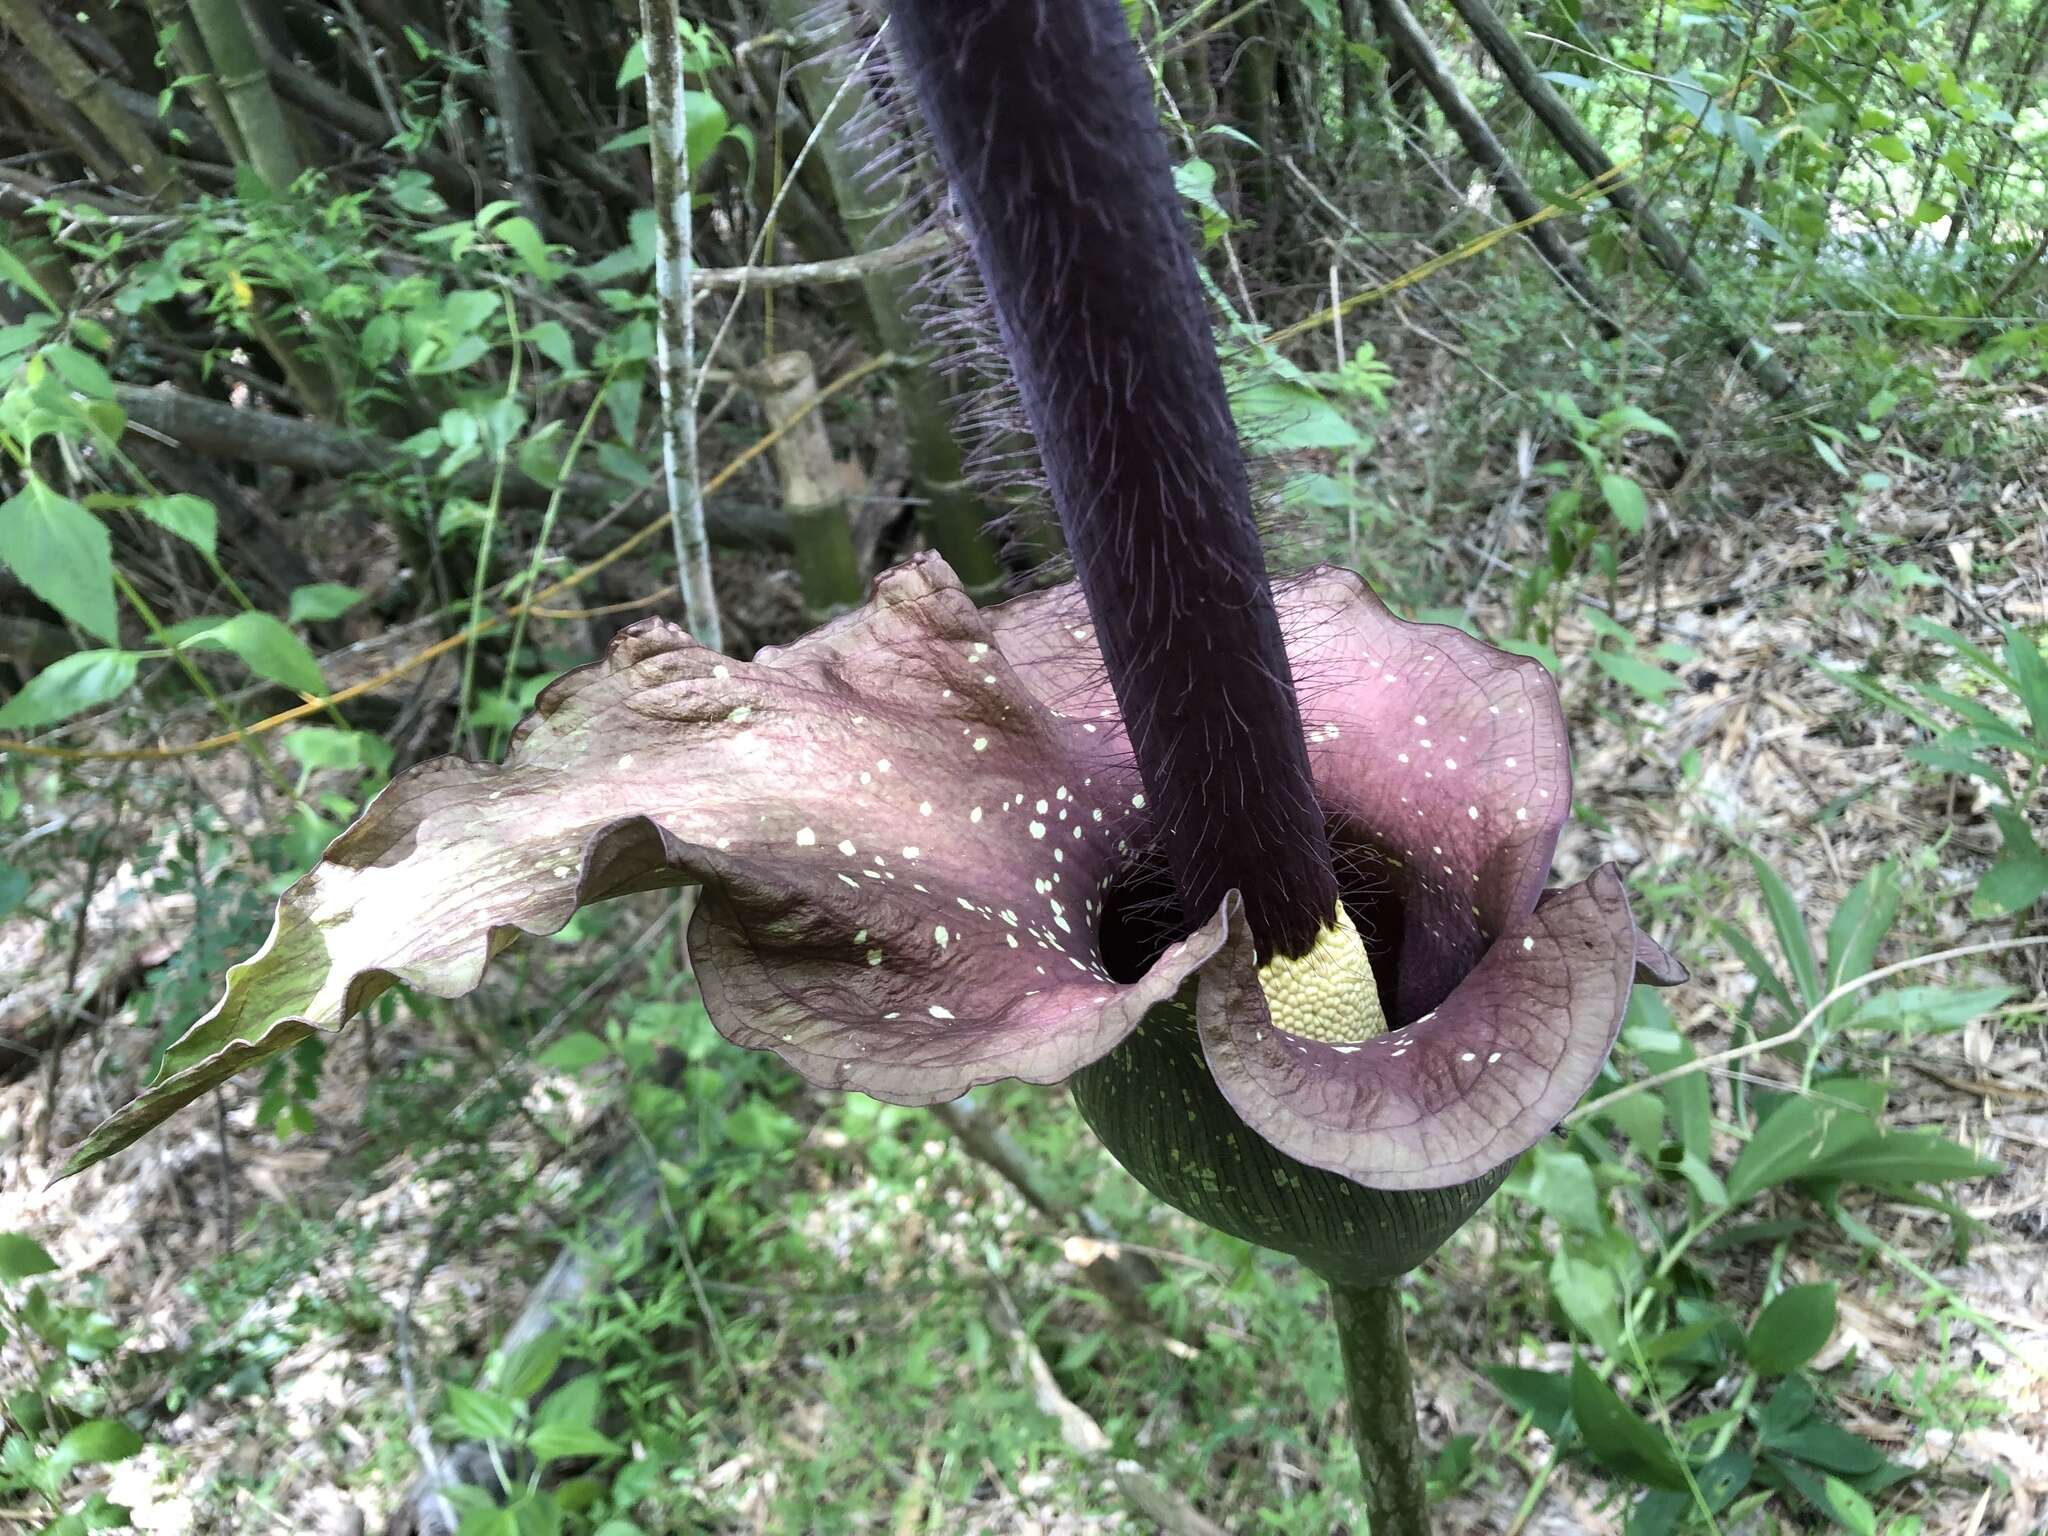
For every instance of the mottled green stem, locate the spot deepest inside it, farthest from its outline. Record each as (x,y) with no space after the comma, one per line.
(1376,1381)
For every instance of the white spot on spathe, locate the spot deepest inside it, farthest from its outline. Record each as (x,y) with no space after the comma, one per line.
(721,672)
(1521,813)
(975,815)
(1422,719)
(1042,807)
(1472,811)
(1095,815)
(1038,829)
(1451,763)
(981,743)
(740,715)
(881,765)
(625,761)
(938,1013)
(1466,1056)
(846,847)
(910,850)
(940,936)
(1492,1058)
(874,957)
(1528,941)
(924,807)
(1403,756)
(1137,802)
(805,837)
(561,871)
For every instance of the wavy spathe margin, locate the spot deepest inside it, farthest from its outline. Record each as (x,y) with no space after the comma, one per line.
(906,824)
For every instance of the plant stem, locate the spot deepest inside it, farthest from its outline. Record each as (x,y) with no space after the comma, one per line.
(1382,1398)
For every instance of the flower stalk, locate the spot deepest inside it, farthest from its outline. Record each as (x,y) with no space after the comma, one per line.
(1377,1385)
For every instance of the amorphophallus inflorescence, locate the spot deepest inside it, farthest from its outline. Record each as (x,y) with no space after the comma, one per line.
(1260,868)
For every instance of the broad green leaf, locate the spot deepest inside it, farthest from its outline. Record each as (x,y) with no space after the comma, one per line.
(188,517)
(1793,1329)
(1277,416)
(81,370)
(1562,1188)
(321,601)
(1590,1295)
(1626,501)
(482,1415)
(1688,1099)
(266,646)
(574,1402)
(1933,1008)
(1618,1437)
(315,747)
(68,686)
(527,244)
(99,1440)
(1546,1396)
(573,1052)
(561,1442)
(22,1257)
(62,553)
(2019,878)
(16,271)
(2030,678)
(1828,1446)
(1902,1157)
(1802,1132)
(1860,926)
(1789,921)
(1642,677)
(14,888)
(527,1369)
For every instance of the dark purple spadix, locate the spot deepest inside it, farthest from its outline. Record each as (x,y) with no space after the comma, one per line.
(1043,120)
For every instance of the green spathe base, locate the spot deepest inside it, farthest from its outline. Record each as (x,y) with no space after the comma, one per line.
(1154,1104)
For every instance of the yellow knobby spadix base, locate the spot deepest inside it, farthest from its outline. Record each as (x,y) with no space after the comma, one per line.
(1328,994)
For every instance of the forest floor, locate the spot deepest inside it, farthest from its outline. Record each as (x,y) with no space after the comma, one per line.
(828,1332)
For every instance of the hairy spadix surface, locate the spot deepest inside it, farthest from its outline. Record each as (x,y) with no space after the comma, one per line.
(905,825)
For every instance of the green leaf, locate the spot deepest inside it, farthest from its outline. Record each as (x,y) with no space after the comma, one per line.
(1893,1158)
(1546,1396)
(68,686)
(1828,1446)
(527,1369)
(551,339)
(1801,1133)
(2019,878)
(14,888)
(574,1402)
(81,370)
(2030,678)
(188,517)
(16,271)
(1933,1008)
(1626,501)
(1588,1294)
(265,646)
(1790,924)
(98,1440)
(1793,1329)
(1562,1188)
(22,1257)
(62,553)
(573,1052)
(321,601)
(1632,672)
(559,1442)
(704,124)
(482,1415)
(1276,415)
(1860,926)
(524,238)
(1619,1438)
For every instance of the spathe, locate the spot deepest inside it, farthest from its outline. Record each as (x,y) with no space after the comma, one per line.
(906,825)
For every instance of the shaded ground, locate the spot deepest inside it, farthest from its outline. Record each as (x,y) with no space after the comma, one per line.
(259,1283)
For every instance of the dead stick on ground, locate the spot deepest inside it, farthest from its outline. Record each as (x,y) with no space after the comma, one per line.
(1121,1276)
(1085,1438)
